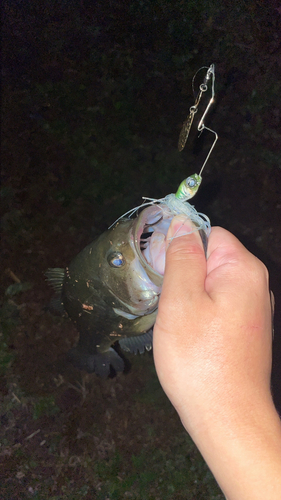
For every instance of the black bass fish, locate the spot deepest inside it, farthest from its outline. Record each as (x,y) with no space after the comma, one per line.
(111,289)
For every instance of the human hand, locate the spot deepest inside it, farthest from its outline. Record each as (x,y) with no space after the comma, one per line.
(212,349)
(212,337)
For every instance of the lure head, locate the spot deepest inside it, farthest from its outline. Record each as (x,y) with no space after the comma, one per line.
(189,187)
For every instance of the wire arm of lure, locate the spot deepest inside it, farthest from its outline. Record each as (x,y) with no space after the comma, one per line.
(203,87)
(211,148)
(201,125)
(189,187)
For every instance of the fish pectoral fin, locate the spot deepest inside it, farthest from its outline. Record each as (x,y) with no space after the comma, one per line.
(137,344)
(98,363)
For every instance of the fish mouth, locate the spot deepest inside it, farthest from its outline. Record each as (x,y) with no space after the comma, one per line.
(149,240)
(150,237)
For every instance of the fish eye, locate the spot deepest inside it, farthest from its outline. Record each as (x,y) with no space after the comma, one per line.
(116,259)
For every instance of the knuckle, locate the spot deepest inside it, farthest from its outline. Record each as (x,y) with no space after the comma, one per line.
(259,272)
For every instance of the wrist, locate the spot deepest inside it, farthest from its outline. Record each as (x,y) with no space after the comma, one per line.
(242,448)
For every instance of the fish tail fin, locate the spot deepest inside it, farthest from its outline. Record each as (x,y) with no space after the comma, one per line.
(99,363)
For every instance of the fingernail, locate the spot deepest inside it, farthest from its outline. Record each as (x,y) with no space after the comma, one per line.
(180,226)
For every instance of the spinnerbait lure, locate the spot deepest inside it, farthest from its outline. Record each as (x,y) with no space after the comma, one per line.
(177,203)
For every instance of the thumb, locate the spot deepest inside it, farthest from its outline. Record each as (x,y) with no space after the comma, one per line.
(185,269)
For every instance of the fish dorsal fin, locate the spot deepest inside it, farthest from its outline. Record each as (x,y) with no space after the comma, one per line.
(55,276)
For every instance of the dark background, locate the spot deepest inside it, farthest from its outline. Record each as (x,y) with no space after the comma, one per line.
(94,96)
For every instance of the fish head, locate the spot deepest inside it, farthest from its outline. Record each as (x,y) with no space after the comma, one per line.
(133,265)
(134,286)
(124,267)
